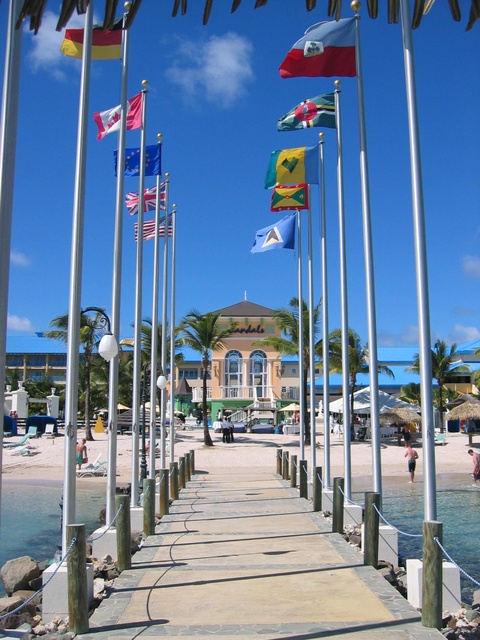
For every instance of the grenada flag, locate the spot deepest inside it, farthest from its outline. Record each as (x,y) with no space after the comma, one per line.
(286,198)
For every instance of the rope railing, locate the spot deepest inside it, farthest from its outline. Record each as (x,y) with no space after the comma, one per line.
(92,539)
(404,533)
(32,597)
(349,499)
(449,557)
(320,479)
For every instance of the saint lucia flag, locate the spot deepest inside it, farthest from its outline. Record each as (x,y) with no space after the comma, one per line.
(293,166)
(277,236)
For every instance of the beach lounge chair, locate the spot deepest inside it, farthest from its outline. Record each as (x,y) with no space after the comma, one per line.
(97,470)
(32,432)
(18,443)
(49,430)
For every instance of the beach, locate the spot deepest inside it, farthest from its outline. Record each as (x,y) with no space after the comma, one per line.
(250,450)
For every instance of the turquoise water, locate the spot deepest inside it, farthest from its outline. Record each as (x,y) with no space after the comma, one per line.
(458,508)
(31,519)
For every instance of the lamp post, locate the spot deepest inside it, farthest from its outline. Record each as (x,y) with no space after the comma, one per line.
(161,384)
(108,347)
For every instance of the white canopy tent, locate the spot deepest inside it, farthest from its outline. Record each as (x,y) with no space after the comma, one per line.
(361,403)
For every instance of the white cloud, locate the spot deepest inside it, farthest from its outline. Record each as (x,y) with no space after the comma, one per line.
(408,337)
(218,68)
(463,334)
(19,259)
(471,266)
(14,323)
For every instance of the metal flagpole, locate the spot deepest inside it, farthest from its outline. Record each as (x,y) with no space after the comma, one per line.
(301,372)
(311,338)
(117,267)
(154,337)
(344,302)
(325,330)
(8,149)
(74,303)
(425,349)
(369,270)
(163,392)
(172,335)
(137,331)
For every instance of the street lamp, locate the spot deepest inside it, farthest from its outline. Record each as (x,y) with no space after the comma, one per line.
(108,347)
(161,384)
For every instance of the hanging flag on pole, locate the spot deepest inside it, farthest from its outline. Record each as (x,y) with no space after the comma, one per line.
(106,45)
(293,198)
(149,200)
(313,112)
(108,121)
(149,229)
(153,157)
(293,166)
(327,49)
(280,235)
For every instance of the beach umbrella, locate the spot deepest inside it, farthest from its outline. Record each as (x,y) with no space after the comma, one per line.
(291,407)
(390,418)
(405,414)
(469,410)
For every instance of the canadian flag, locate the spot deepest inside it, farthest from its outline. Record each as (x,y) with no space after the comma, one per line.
(108,121)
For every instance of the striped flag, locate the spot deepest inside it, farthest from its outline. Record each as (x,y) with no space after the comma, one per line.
(149,199)
(149,229)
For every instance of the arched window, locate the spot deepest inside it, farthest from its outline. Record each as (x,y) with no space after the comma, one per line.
(233,373)
(258,374)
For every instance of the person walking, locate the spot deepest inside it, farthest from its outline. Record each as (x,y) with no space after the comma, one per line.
(81,453)
(476,465)
(412,457)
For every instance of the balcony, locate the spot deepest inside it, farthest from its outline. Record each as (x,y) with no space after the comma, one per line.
(240,393)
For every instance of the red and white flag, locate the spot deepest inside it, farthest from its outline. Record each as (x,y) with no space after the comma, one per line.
(149,229)
(327,49)
(108,121)
(149,199)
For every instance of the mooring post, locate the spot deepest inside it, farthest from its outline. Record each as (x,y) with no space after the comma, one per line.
(149,506)
(77,579)
(188,469)
(337,519)
(124,533)
(371,529)
(181,472)
(285,465)
(432,579)
(164,497)
(303,482)
(192,462)
(317,489)
(174,480)
(293,471)
(279,462)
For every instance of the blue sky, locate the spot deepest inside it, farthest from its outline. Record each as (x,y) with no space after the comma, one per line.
(215,94)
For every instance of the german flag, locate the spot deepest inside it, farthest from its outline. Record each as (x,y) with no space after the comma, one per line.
(106,45)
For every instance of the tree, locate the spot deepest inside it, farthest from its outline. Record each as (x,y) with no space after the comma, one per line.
(204,334)
(411,393)
(90,336)
(357,360)
(443,365)
(287,344)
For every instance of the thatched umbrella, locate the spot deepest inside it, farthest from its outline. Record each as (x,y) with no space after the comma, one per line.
(399,415)
(469,410)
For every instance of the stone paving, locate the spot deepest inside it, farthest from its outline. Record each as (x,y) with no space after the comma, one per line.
(241,555)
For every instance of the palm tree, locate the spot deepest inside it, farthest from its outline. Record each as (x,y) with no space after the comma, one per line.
(443,365)
(357,359)
(411,393)
(89,337)
(287,344)
(204,334)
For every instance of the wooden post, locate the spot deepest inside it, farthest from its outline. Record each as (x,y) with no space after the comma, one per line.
(337,520)
(164,497)
(124,533)
(77,580)
(279,462)
(303,479)
(174,480)
(188,471)
(432,575)
(285,465)
(192,462)
(149,506)
(317,489)
(293,471)
(181,472)
(372,521)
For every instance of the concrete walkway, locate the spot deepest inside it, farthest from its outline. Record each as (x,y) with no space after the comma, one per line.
(241,555)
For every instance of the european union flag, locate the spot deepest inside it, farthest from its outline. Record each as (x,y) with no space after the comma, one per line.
(153,156)
(280,235)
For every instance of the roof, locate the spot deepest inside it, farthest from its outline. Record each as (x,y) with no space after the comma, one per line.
(34,343)
(245,309)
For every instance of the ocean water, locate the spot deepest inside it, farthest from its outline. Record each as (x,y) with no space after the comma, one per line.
(458,508)
(31,519)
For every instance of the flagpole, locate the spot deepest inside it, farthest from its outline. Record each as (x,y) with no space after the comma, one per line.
(154,336)
(311,339)
(369,268)
(8,149)
(343,302)
(301,373)
(325,341)
(74,304)
(172,333)
(425,349)
(137,331)
(163,392)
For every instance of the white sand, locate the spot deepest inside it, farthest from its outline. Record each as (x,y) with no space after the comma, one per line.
(248,450)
